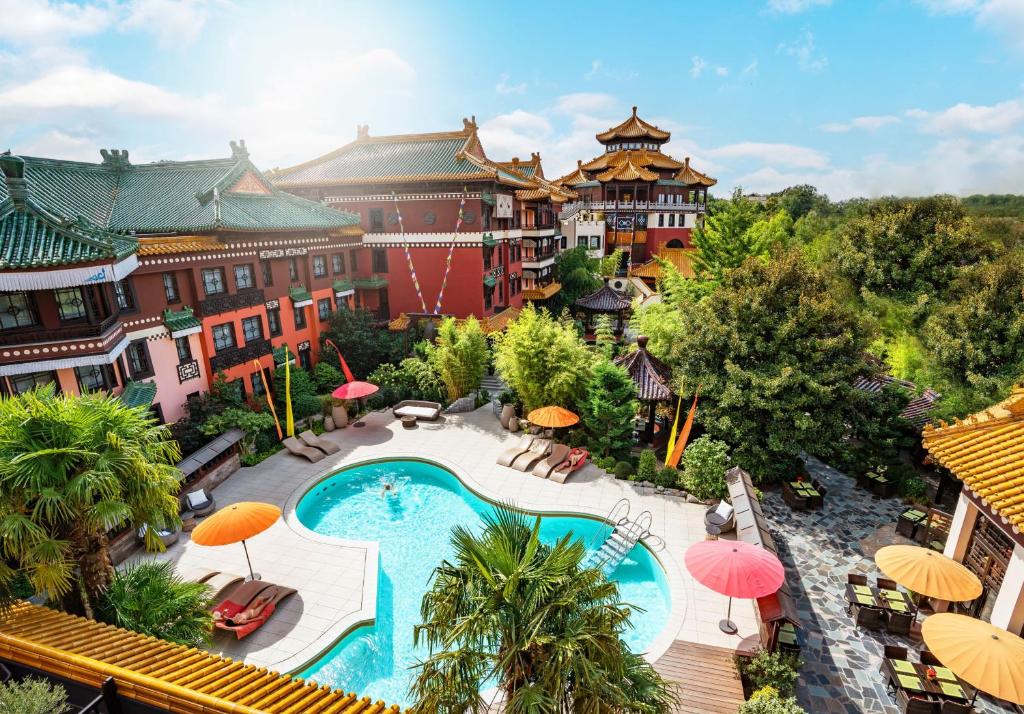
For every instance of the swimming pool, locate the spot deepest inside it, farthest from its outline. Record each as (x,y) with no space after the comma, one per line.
(412,524)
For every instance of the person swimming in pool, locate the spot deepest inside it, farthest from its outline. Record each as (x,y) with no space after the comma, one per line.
(388,488)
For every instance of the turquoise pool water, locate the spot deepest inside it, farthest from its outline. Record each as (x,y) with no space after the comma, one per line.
(412,524)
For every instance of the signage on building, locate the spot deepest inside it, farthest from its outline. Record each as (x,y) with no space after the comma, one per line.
(498,271)
(513,276)
(502,205)
(272,304)
(282,253)
(304,345)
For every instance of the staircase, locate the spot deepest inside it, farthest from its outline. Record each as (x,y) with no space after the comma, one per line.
(570,210)
(494,385)
(625,533)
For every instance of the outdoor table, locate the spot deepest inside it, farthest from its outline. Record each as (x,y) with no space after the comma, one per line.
(913,677)
(888,600)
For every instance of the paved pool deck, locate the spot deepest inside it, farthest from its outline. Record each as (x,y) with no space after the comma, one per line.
(337,580)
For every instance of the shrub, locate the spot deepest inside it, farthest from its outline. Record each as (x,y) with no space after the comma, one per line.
(605,462)
(646,469)
(459,356)
(305,405)
(766,700)
(482,397)
(33,695)
(623,469)
(771,669)
(326,377)
(667,477)
(608,410)
(150,598)
(704,465)
(251,423)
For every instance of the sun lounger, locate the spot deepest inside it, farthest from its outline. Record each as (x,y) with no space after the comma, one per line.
(220,583)
(540,449)
(574,462)
(299,449)
(559,453)
(429,411)
(260,608)
(325,445)
(509,455)
(238,598)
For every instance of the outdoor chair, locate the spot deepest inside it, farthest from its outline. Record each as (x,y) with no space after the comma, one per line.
(883,489)
(856,579)
(895,652)
(909,522)
(200,502)
(166,536)
(870,617)
(297,448)
(915,704)
(575,461)
(950,706)
(509,455)
(885,584)
(325,445)
(422,411)
(559,453)
(928,658)
(864,481)
(723,516)
(819,500)
(261,606)
(793,499)
(219,582)
(537,451)
(899,623)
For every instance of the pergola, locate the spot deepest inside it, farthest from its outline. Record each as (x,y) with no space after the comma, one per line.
(652,378)
(609,301)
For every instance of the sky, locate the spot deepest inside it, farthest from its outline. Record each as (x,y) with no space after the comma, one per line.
(857,97)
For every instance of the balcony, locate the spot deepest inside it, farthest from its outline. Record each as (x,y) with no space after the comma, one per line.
(571,209)
(66,333)
(240,355)
(227,302)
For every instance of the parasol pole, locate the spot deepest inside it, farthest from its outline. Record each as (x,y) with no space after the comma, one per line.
(252,575)
(727,625)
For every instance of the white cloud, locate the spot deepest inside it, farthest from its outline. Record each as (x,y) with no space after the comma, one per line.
(504,87)
(175,23)
(808,56)
(721,71)
(868,123)
(595,67)
(751,69)
(589,102)
(1004,18)
(32,21)
(963,117)
(62,144)
(794,6)
(776,154)
(948,7)
(699,64)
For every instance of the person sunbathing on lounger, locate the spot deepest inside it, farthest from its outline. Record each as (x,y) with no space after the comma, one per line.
(575,456)
(253,612)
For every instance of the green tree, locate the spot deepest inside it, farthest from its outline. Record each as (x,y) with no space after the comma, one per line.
(604,336)
(511,611)
(33,695)
(728,237)
(326,377)
(362,342)
(72,468)
(150,598)
(577,271)
(305,402)
(542,359)
(252,423)
(459,356)
(611,262)
(608,410)
(705,462)
(775,356)
(798,201)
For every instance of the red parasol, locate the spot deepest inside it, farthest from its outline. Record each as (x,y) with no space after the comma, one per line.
(736,569)
(355,390)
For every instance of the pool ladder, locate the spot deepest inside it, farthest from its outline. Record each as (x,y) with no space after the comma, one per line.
(625,533)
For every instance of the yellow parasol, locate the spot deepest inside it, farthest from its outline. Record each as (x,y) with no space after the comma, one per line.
(236,523)
(552,417)
(928,573)
(983,655)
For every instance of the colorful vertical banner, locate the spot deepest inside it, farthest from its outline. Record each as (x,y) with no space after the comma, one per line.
(451,252)
(684,436)
(408,259)
(288,414)
(672,434)
(270,401)
(342,362)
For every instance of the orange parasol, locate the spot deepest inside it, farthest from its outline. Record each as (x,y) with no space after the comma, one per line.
(552,417)
(928,573)
(235,523)
(983,655)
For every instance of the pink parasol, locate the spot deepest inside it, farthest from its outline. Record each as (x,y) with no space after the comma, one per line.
(355,390)
(735,569)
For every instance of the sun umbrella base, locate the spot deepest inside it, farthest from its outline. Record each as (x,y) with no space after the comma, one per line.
(728,627)
(253,576)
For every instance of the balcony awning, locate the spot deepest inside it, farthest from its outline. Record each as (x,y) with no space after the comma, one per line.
(138,394)
(300,296)
(56,278)
(488,198)
(377,281)
(182,323)
(343,287)
(490,240)
(50,365)
(542,293)
(490,281)
(279,356)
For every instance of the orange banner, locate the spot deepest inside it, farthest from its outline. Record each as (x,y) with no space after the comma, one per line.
(684,435)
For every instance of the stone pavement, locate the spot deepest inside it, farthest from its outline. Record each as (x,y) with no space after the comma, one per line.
(841,670)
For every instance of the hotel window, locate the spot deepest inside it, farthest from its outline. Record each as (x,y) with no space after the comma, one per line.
(171,288)
(582,241)
(22,383)
(293,269)
(661,220)
(488,251)
(95,378)
(300,318)
(252,329)
(213,281)
(323,308)
(595,242)
(125,294)
(245,278)
(487,297)
(306,358)
(223,337)
(380,260)
(138,360)
(338,263)
(353,260)
(563,243)
(256,380)
(184,349)
(16,311)
(376,220)
(319,266)
(274,322)
(268,273)
(70,304)
(671,220)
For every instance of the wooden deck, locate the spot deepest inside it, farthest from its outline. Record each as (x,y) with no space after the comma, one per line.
(706,676)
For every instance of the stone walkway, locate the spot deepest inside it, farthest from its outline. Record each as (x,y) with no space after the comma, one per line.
(841,670)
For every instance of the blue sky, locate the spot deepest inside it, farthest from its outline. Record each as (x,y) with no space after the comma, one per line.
(859,97)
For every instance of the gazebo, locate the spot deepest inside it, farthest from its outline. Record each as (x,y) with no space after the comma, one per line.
(607,301)
(652,378)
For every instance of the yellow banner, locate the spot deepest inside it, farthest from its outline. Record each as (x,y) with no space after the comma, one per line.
(289,418)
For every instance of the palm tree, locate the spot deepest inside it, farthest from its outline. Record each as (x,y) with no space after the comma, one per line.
(150,598)
(72,468)
(515,613)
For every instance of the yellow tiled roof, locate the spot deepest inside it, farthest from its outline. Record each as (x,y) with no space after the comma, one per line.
(495,323)
(639,157)
(986,452)
(542,293)
(633,128)
(681,258)
(691,176)
(178,244)
(176,678)
(527,168)
(400,323)
(627,171)
(575,178)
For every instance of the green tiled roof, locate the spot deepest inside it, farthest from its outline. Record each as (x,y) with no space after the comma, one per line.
(30,238)
(171,196)
(279,355)
(489,239)
(341,286)
(490,281)
(181,320)
(299,294)
(377,281)
(138,394)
